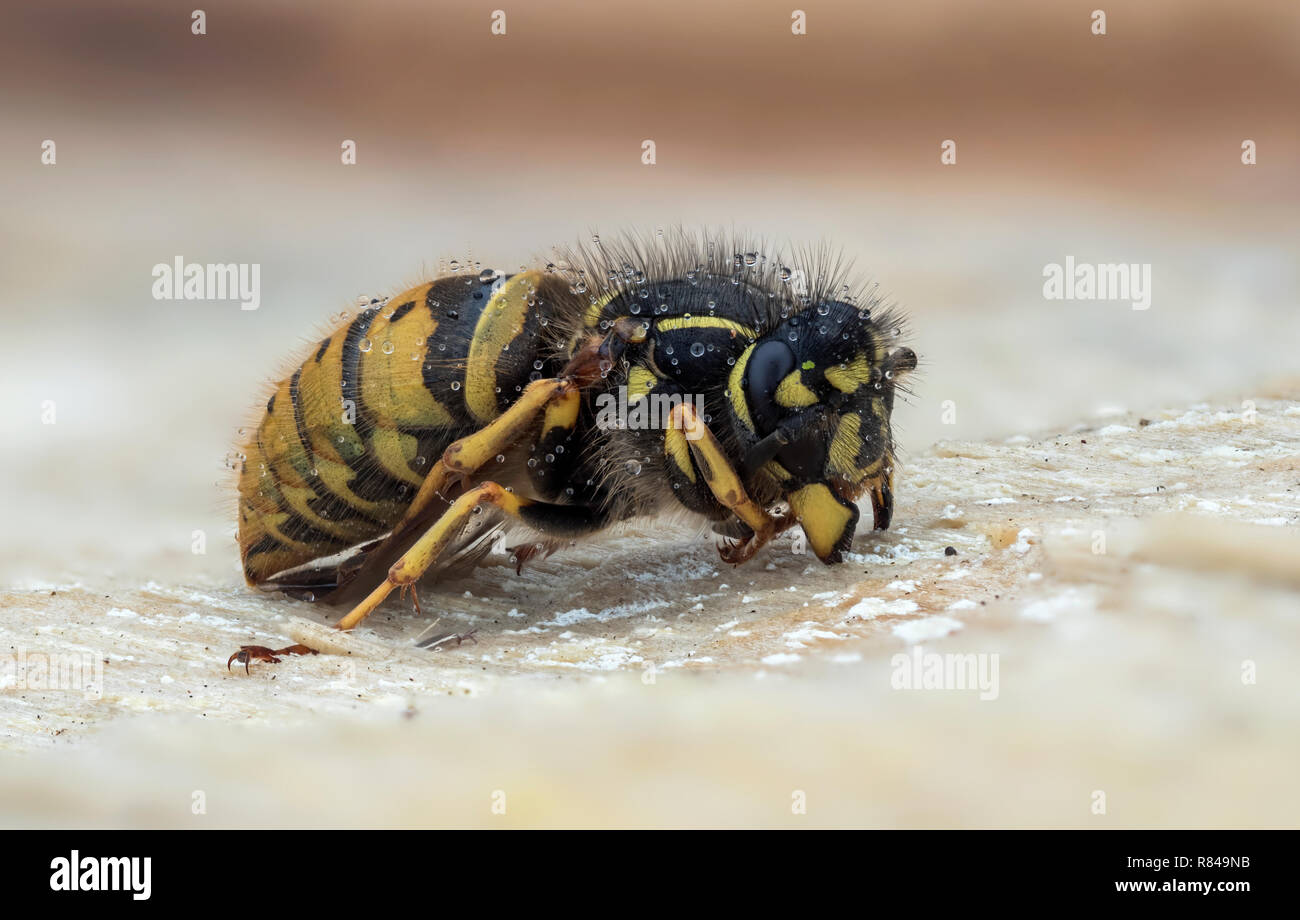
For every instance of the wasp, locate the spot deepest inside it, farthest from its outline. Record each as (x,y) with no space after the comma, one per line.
(628,378)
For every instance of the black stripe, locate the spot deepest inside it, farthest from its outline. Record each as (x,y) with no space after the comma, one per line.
(299,423)
(332,507)
(325,504)
(266,545)
(401,311)
(301,530)
(351,362)
(270,404)
(320,352)
(270,467)
(372,482)
(282,505)
(456,319)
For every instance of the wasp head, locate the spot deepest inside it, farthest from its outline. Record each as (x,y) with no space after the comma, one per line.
(818,393)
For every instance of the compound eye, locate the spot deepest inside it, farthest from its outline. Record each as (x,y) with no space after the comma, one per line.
(767,367)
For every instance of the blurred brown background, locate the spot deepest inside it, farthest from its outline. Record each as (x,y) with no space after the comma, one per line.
(225,148)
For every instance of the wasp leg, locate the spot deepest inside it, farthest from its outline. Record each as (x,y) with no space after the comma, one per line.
(466,456)
(558,399)
(555,452)
(724,482)
(689,487)
(558,519)
(416,560)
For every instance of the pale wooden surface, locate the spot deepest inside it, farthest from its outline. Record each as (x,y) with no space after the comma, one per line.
(1120,671)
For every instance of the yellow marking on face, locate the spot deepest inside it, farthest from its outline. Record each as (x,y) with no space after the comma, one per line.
(776,470)
(736,389)
(844,450)
(822,517)
(679,451)
(792,393)
(849,376)
(500,323)
(640,381)
(704,322)
(846,443)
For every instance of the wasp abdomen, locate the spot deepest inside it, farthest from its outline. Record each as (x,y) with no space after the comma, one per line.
(348,437)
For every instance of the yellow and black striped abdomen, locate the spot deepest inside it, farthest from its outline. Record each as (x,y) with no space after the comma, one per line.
(348,437)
